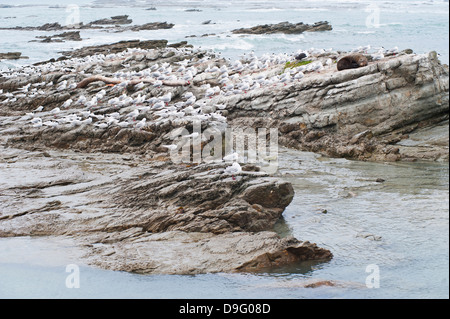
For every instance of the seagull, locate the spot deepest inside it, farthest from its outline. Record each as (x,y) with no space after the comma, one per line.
(299,75)
(166,98)
(223,69)
(209,93)
(39,109)
(27,117)
(87,121)
(56,110)
(123,124)
(139,99)
(158,105)
(36,120)
(100,94)
(50,123)
(141,123)
(378,56)
(114,115)
(235,168)
(62,86)
(86,113)
(139,86)
(133,114)
(231,157)
(193,135)
(114,101)
(81,100)
(364,49)
(102,125)
(92,102)
(188,95)
(220,106)
(67,103)
(188,77)
(25,88)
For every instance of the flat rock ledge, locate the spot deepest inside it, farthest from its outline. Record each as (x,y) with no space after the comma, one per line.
(12,56)
(132,213)
(117,22)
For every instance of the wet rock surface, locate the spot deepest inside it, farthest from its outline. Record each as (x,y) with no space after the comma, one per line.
(123,19)
(61,37)
(86,147)
(124,213)
(117,24)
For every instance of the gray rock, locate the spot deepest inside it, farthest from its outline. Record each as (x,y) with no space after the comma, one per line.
(285,27)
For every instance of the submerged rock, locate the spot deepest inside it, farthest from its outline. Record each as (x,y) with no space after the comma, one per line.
(116,20)
(116,23)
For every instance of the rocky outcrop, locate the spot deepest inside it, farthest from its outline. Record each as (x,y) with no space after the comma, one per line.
(243,252)
(126,206)
(362,113)
(116,24)
(151,26)
(61,37)
(116,48)
(45,27)
(116,20)
(285,27)
(146,215)
(12,56)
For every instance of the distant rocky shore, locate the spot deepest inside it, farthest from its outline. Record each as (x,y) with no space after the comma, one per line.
(117,23)
(94,130)
(286,28)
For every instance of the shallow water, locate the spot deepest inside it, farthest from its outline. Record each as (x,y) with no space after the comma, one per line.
(400,225)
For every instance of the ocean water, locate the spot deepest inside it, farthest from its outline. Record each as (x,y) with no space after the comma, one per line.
(400,226)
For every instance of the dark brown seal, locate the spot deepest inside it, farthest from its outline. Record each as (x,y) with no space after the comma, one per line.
(352,61)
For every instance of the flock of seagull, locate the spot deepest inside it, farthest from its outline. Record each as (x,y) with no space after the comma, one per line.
(112,106)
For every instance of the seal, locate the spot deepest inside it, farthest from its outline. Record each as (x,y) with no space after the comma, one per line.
(300,56)
(352,62)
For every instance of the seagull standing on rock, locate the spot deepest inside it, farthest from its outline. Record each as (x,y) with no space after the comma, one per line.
(62,86)
(67,103)
(188,77)
(166,98)
(235,168)
(81,100)
(133,114)
(141,123)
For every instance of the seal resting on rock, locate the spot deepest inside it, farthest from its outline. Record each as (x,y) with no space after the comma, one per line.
(352,62)
(300,56)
